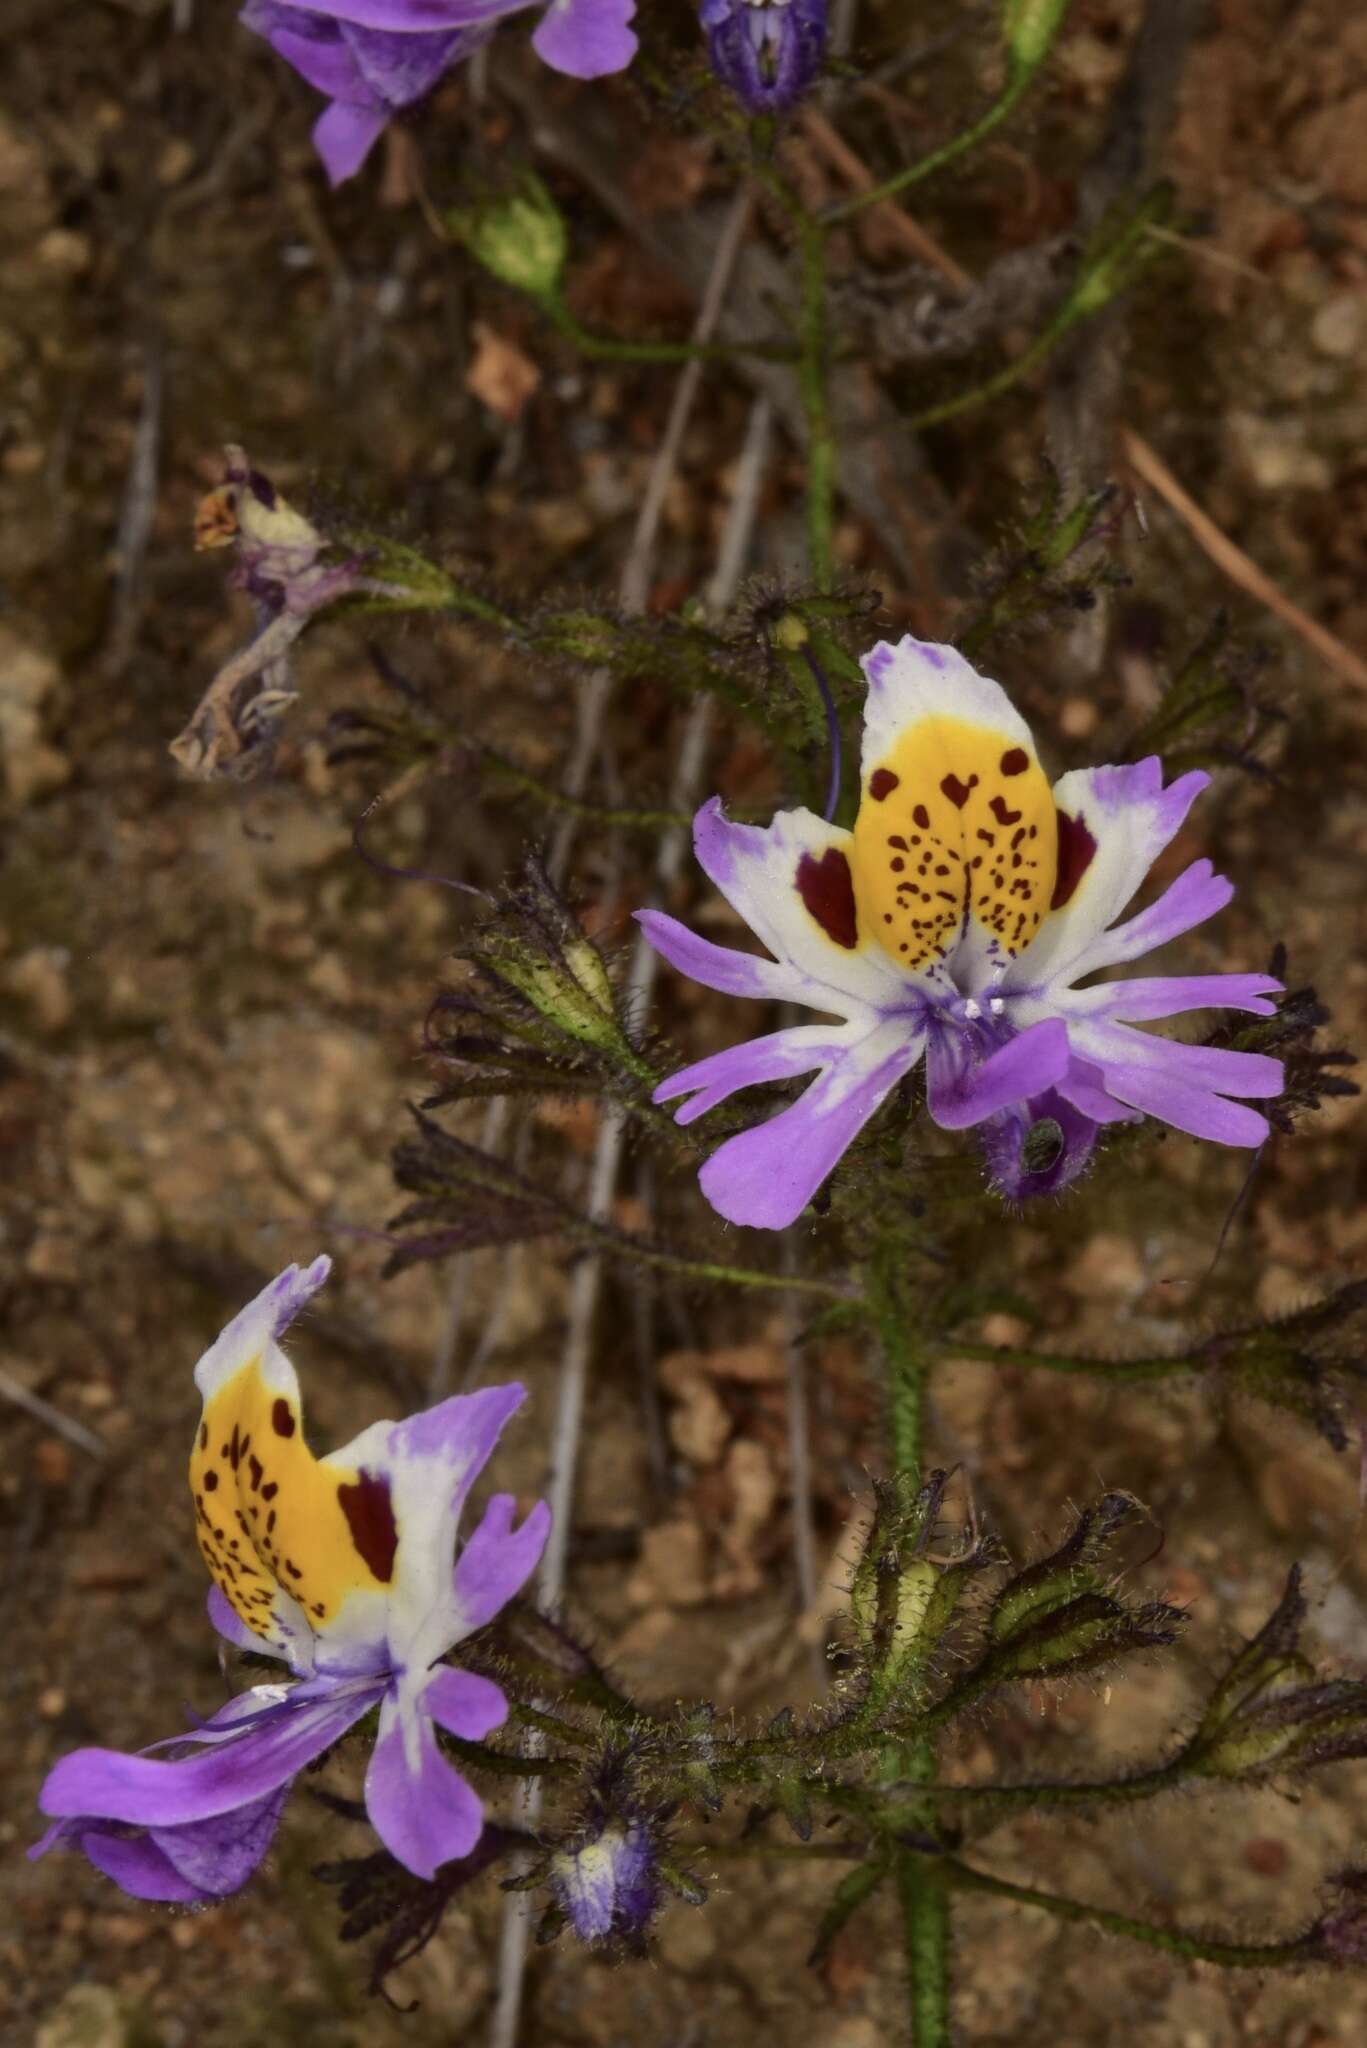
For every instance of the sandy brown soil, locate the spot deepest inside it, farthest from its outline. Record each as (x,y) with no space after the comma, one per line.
(211,1010)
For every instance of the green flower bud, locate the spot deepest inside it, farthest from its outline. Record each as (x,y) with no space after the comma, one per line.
(1030,27)
(521,239)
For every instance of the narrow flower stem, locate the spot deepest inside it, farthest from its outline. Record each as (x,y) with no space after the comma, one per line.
(608,348)
(1005,378)
(832,731)
(1233,1955)
(1135,1371)
(812,379)
(925,167)
(702,1269)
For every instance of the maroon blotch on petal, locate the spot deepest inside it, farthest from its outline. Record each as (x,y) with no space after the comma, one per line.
(370,1517)
(1075,849)
(827,888)
(1015,761)
(882,783)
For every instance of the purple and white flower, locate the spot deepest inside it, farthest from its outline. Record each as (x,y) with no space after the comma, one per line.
(954,924)
(372,57)
(608,1886)
(768,52)
(343,1567)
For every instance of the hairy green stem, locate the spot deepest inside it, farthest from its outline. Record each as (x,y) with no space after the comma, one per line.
(1134,1371)
(1176,1941)
(608,348)
(921,1886)
(924,1897)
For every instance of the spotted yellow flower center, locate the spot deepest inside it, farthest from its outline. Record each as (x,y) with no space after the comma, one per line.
(269,1516)
(957,818)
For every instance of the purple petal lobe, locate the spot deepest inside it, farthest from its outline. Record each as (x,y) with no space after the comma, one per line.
(421,1809)
(719,967)
(586,38)
(140,1868)
(962,1092)
(766,1176)
(107,1785)
(464,1703)
(344,137)
(498,1560)
(219,1855)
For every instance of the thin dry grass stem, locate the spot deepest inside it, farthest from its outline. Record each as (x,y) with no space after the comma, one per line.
(1150,468)
(51,1418)
(831,145)
(633,592)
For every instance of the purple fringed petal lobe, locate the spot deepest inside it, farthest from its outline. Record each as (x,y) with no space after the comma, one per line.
(218,1856)
(1186,1108)
(1197,894)
(798,1050)
(719,967)
(586,38)
(1144,1001)
(344,136)
(498,1560)
(756,869)
(765,1177)
(464,1703)
(1129,818)
(1119,1048)
(421,1809)
(1084,1087)
(960,1093)
(107,1785)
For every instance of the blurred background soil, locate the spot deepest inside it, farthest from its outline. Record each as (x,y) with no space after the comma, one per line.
(211,1010)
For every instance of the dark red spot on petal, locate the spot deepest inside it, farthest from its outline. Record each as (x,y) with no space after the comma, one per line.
(1075,849)
(370,1517)
(958,792)
(921,816)
(282,1422)
(1001,813)
(827,889)
(882,783)
(204,1436)
(1015,761)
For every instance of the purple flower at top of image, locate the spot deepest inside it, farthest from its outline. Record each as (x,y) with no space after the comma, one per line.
(372,57)
(345,1569)
(767,51)
(954,923)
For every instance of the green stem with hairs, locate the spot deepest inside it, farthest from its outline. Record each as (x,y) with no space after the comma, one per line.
(1175,1941)
(921,1887)
(609,349)
(1132,1371)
